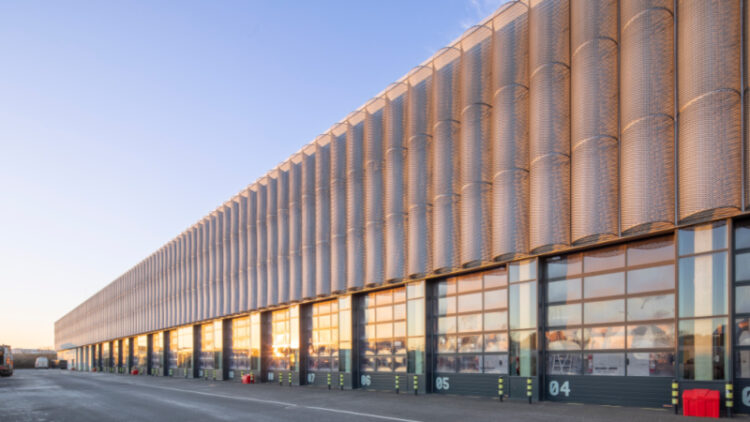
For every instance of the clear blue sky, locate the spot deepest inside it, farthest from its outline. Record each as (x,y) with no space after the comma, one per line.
(124,122)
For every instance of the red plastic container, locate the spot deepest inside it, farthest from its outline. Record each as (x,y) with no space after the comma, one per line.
(701,402)
(134,372)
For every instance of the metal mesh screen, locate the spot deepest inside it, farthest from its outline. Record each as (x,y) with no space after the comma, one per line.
(355,219)
(308,226)
(708,56)
(252,248)
(594,120)
(510,117)
(647,115)
(338,209)
(374,194)
(244,282)
(295,228)
(272,233)
(549,128)
(395,177)
(262,242)
(282,260)
(323,215)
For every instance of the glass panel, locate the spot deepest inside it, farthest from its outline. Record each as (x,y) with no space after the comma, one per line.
(446,305)
(399,311)
(384,330)
(470,303)
(446,287)
(605,364)
(384,363)
(470,364)
(564,364)
(415,290)
(399,295)
(598,338)
(446,364)
(469,323)
(703,285)
(416,317)
(496,299)
(604,311)
(495,278)
(703,348)
(742,267)
(564,290)
(522,271)
(564,315)
(742,364)
(612,284)
(742,234)
(567,266)
(651,364)
(742,299)
(651,279)
(469,283)
(367,364)
(565,339)
(470,344)
(652,250)
(496,364)
(650,307)
(495,321)
(399,329)
(384,298)
(742,331)
(604,259)
(446,325)
(651,336)
(705,238)
(523,311)
(384,313)
(399,364)
(523,353)
(496,342)
(446,344)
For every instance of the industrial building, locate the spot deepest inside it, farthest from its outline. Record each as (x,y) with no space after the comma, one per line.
(556,205)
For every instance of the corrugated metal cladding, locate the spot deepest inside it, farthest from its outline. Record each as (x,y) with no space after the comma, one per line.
(552,124)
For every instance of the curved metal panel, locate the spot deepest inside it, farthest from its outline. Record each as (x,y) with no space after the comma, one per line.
(475,175)
(419,118)
(226,222)
(708,96)
(647,115)
(252,248)
(445,222)
(234,234)
(202,272)
(549,130)
(262,242)
(510,116)
(355,218)
(242,254)
(295,229)
(219,257)
(323,215)
(594,120)
(272,233)
(308,226)
(373,187)
(282,261)
(338,210)
(395,178)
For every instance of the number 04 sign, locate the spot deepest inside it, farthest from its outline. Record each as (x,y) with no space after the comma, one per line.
(555,388)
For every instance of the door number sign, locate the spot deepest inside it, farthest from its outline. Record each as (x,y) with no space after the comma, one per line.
(746,396)
(442,383)
(555,388)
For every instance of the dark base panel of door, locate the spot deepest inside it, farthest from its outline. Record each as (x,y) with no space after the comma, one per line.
(613,390)
(469,384)
(387,382)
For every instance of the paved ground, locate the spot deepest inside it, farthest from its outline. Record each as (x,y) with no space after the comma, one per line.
(55,395)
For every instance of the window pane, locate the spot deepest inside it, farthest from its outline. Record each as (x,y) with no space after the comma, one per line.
(564,315)
(651,279)
(703,348)
(469,323)
(496,299)
(470,344)
(470,303)
(523,353)
(742,299)
(399,329)
(565,364)
(522,271)
(741,234)
(495,321)
(612,284)
(383,314)
(399,311)
(384,363)
(598,338)
(605,364)
(496,364)
(446,344)
(399,364)
(566,266)
(604,259)
(399,295)
(495,278)
(742,365)
(565,339)
(469,283)
(496,342)
(564,290)
(384,330)
(446,287)
(524,306)
(446,364)
(703,285)
(447,324)
(742,331)
(705,238)
(604,311)
(650,336)
(384,298)
(652,250)
(470,364)
(651,364)
(651,307)
(415,290)
(416,318)
(367,364)
(446,305)
(742,267)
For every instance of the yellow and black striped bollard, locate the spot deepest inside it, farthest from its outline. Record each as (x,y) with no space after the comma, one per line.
(500,391)
(341,382)
(416,384)
(529,387)
(729,398)
(329,381)
(397,384)
(281,379)
(675,396)
(290,379)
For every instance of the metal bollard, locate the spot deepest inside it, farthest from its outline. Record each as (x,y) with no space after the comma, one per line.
(416,384)
(675,396)
(341,382)
(500,392)
(529,387)
(729,398)
(329,381)
(290,379)
(397,384)
(281,379)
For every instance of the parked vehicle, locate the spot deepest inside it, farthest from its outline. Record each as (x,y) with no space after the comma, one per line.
(6,361)
(41,363)
(62,364)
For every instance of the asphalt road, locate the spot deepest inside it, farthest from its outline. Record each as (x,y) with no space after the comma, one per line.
(56,395)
